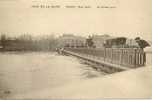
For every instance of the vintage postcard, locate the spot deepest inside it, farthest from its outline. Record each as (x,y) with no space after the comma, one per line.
(75,49)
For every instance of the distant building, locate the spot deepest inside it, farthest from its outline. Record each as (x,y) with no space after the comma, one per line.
(117,42)
(69,40)
(99,40)
(1,45)
(13,44)
(131,43)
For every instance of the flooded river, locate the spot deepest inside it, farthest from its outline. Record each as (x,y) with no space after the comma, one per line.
(24,72)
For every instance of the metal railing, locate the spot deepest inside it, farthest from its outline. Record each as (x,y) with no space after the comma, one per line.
(130,57)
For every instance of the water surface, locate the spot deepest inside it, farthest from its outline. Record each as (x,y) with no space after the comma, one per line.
(31,71)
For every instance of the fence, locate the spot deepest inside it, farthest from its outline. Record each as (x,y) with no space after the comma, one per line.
(130,57)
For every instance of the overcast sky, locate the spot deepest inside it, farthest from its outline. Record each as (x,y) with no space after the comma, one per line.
(130,18)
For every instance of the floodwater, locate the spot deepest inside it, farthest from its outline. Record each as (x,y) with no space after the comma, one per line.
(34,71)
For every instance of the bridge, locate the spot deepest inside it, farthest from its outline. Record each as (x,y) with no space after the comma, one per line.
(110,60)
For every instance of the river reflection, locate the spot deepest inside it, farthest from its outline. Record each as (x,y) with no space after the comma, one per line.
(24,72)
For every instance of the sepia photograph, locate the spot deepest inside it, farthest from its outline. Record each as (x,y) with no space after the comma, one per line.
(75,50)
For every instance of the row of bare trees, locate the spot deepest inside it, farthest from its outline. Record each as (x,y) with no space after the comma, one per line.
(28,42)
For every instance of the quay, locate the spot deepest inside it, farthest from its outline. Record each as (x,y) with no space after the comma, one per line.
(110,60)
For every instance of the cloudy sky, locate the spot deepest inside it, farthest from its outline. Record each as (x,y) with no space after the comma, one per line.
(130,18)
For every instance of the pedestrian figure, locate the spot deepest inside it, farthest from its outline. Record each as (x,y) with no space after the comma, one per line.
(142,43)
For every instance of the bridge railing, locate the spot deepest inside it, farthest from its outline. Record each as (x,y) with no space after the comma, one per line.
(130,57)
